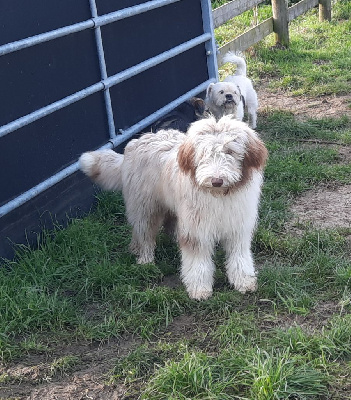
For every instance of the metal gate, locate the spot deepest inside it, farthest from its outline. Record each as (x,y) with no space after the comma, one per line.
(77,76)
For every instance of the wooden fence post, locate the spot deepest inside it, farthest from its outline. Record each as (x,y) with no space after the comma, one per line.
(281,22)
(324,10)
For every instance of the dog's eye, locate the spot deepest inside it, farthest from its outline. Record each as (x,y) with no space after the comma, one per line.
(229,152)
(221,91)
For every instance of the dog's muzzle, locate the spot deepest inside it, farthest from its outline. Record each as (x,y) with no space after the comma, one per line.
(229,98)
(217,182)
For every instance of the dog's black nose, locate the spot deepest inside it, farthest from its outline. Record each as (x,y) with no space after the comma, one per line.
(229,96)
(217,182)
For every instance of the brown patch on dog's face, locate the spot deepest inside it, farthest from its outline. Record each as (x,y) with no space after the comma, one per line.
(255,158)
(256,155)
(186,158)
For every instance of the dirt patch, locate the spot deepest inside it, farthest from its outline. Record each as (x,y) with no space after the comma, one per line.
(79,388)
(324,207)
(344,154)
(171,281)
(34,377)
(304,107)
(182,327)
(315,321)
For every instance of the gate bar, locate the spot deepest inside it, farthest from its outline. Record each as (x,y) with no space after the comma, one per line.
(211,48)
(128,133)
(81,26)
(43,112)
(103,71)
(106,83)
(152,62)
(41,187)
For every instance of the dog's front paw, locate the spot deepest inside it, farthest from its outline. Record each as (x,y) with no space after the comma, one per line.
(247,283)
(199,294)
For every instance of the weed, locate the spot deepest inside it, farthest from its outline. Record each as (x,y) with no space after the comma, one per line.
(63,365)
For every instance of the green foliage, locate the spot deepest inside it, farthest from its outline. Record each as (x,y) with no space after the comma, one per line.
(195,376)
(252,374)
(315,62)
(218,3)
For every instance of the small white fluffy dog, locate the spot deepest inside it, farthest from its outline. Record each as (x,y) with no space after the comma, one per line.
(209,181)
(234,94)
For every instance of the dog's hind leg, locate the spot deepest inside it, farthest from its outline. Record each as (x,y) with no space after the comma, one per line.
(144,237)
(252,105)
(252,118)
(240,268)
(197,269)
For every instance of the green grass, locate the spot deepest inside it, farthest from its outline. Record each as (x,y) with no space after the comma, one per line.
(318,56)
(289,340)
(63,365)
(237,371)
(245,21)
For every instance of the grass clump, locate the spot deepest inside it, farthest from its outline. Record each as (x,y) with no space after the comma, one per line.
(63,365)
(76,280)
(234,374)
(137,365)
(195,376)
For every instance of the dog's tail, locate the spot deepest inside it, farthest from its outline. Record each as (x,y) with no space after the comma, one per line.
(104,167)
(239,61)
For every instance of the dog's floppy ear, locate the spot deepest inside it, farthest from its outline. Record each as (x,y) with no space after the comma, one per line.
(255,157)
(199,105)
(256,154)
(186,158)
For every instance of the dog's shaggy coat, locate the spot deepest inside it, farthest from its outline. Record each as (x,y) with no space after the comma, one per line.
(208,181)
(234,94)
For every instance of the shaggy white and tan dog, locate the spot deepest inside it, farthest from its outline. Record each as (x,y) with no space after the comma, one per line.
(208,181)
(234,94)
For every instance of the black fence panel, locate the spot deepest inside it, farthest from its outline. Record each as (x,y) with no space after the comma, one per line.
(40,75)
(39,150)
(132,47)
(82,75)
(20,19)
(134,99)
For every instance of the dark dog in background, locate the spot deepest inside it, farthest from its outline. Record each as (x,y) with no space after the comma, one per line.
(181,117)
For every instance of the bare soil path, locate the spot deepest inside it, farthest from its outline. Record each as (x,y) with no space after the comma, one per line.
(327,206)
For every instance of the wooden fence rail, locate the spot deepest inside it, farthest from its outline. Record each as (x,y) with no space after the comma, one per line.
(278,24)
